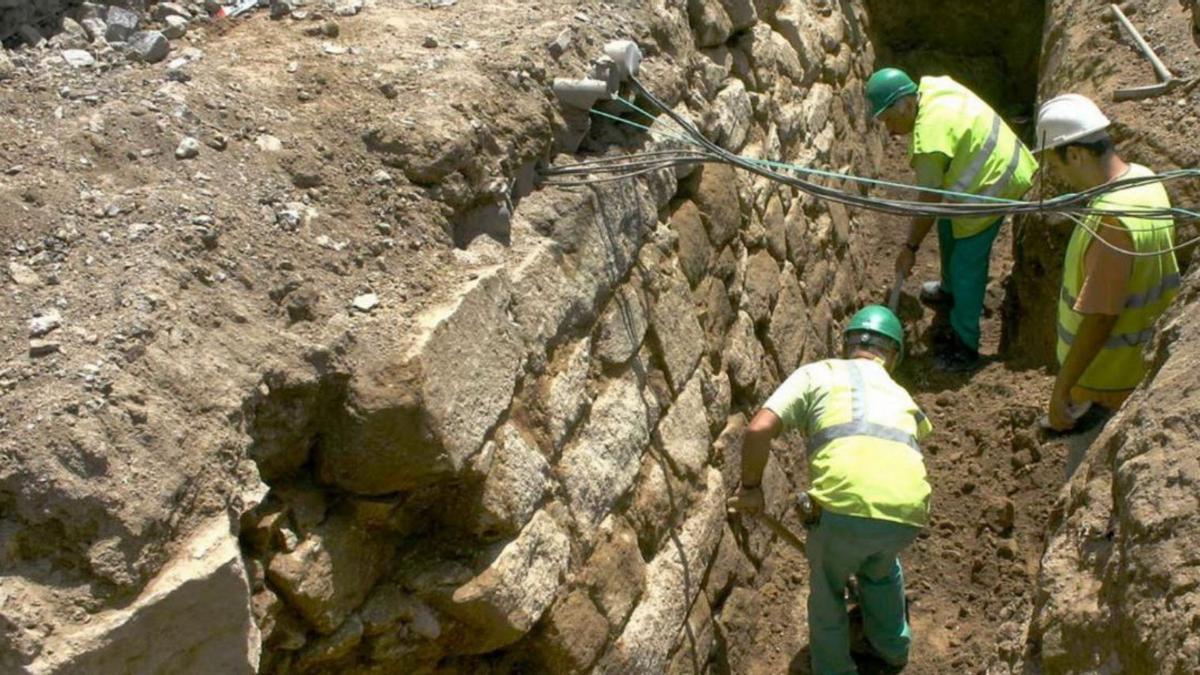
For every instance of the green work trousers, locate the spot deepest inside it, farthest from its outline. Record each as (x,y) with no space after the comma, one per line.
(840,547)
(964,275)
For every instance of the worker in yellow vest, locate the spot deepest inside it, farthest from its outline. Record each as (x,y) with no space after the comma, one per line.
(959,146)
(1120,271)
(868,484)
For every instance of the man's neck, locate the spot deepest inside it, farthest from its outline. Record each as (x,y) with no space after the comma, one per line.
(868,355)
(1108,169)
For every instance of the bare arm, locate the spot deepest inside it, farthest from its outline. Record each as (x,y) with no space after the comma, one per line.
(756,446)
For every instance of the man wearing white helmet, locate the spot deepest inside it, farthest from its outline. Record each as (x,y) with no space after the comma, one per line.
(1119,273)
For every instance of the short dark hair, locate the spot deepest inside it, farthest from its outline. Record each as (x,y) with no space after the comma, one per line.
(874,342)
(1100,147)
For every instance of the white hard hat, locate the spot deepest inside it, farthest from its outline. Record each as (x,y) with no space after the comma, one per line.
(1068,118)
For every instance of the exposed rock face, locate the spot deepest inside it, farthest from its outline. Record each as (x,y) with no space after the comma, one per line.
(1123,540)
(1117,588)
(202,596)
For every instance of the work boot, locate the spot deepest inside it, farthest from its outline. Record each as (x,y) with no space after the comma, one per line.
(870,660)
(935,297)
(956,357)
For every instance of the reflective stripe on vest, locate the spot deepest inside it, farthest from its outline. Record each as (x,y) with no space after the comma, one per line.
(971,173)
(1114,341)
(1170,283)
(953,121)
(858,424)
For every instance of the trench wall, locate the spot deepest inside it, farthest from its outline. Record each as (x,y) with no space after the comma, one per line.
(1117,589)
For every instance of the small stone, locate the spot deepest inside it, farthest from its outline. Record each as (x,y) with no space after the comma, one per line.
(44,324)
(333,50)
(560,43)
(382,177)
(268,143)
(22,275)
(430,42)
(188,148)
(42,348)
(73,34)
(148,46)
(7,69)
(217,142)
(176,27)
(176,72)
(121,24)
(383,228)
(1007,549)
(95,27)
(389,90)
(165,10)
(366,302)
(348,7)
(289,219)
(14,169)
(281,8)
(78,58)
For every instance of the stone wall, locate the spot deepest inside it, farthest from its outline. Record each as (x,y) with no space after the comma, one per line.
(539,480)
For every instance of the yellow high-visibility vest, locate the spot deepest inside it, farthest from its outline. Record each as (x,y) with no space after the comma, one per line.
(986,157)
(1154,282)
(862,432)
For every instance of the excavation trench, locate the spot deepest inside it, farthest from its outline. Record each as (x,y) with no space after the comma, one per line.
(769,273)
(361,566)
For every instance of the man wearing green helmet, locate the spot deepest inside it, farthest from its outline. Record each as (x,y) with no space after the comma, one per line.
(868,485)
(959,145)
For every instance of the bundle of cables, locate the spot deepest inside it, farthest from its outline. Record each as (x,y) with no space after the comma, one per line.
(693,147)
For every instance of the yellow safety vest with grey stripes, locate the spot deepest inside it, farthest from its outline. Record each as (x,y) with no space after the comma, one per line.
(986,157)
(862,431)
(1153,283)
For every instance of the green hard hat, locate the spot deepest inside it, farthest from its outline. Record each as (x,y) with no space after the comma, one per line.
(879,320)
(887,86)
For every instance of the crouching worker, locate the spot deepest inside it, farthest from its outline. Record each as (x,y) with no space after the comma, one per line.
(867,480)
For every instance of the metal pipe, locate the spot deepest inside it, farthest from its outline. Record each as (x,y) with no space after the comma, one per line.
(581,94)
(1161,69)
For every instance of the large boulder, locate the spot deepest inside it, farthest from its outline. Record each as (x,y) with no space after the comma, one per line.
(599,465)
(507,598)
(683,432)
(677,333)
(672,584)
(330,572)
(200,601)
(622,326)
(408,421)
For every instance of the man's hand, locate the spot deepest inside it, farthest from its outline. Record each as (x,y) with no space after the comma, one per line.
(1060,411)
(748,501)
(904,262)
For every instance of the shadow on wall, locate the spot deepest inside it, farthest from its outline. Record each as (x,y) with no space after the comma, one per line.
(992,47)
